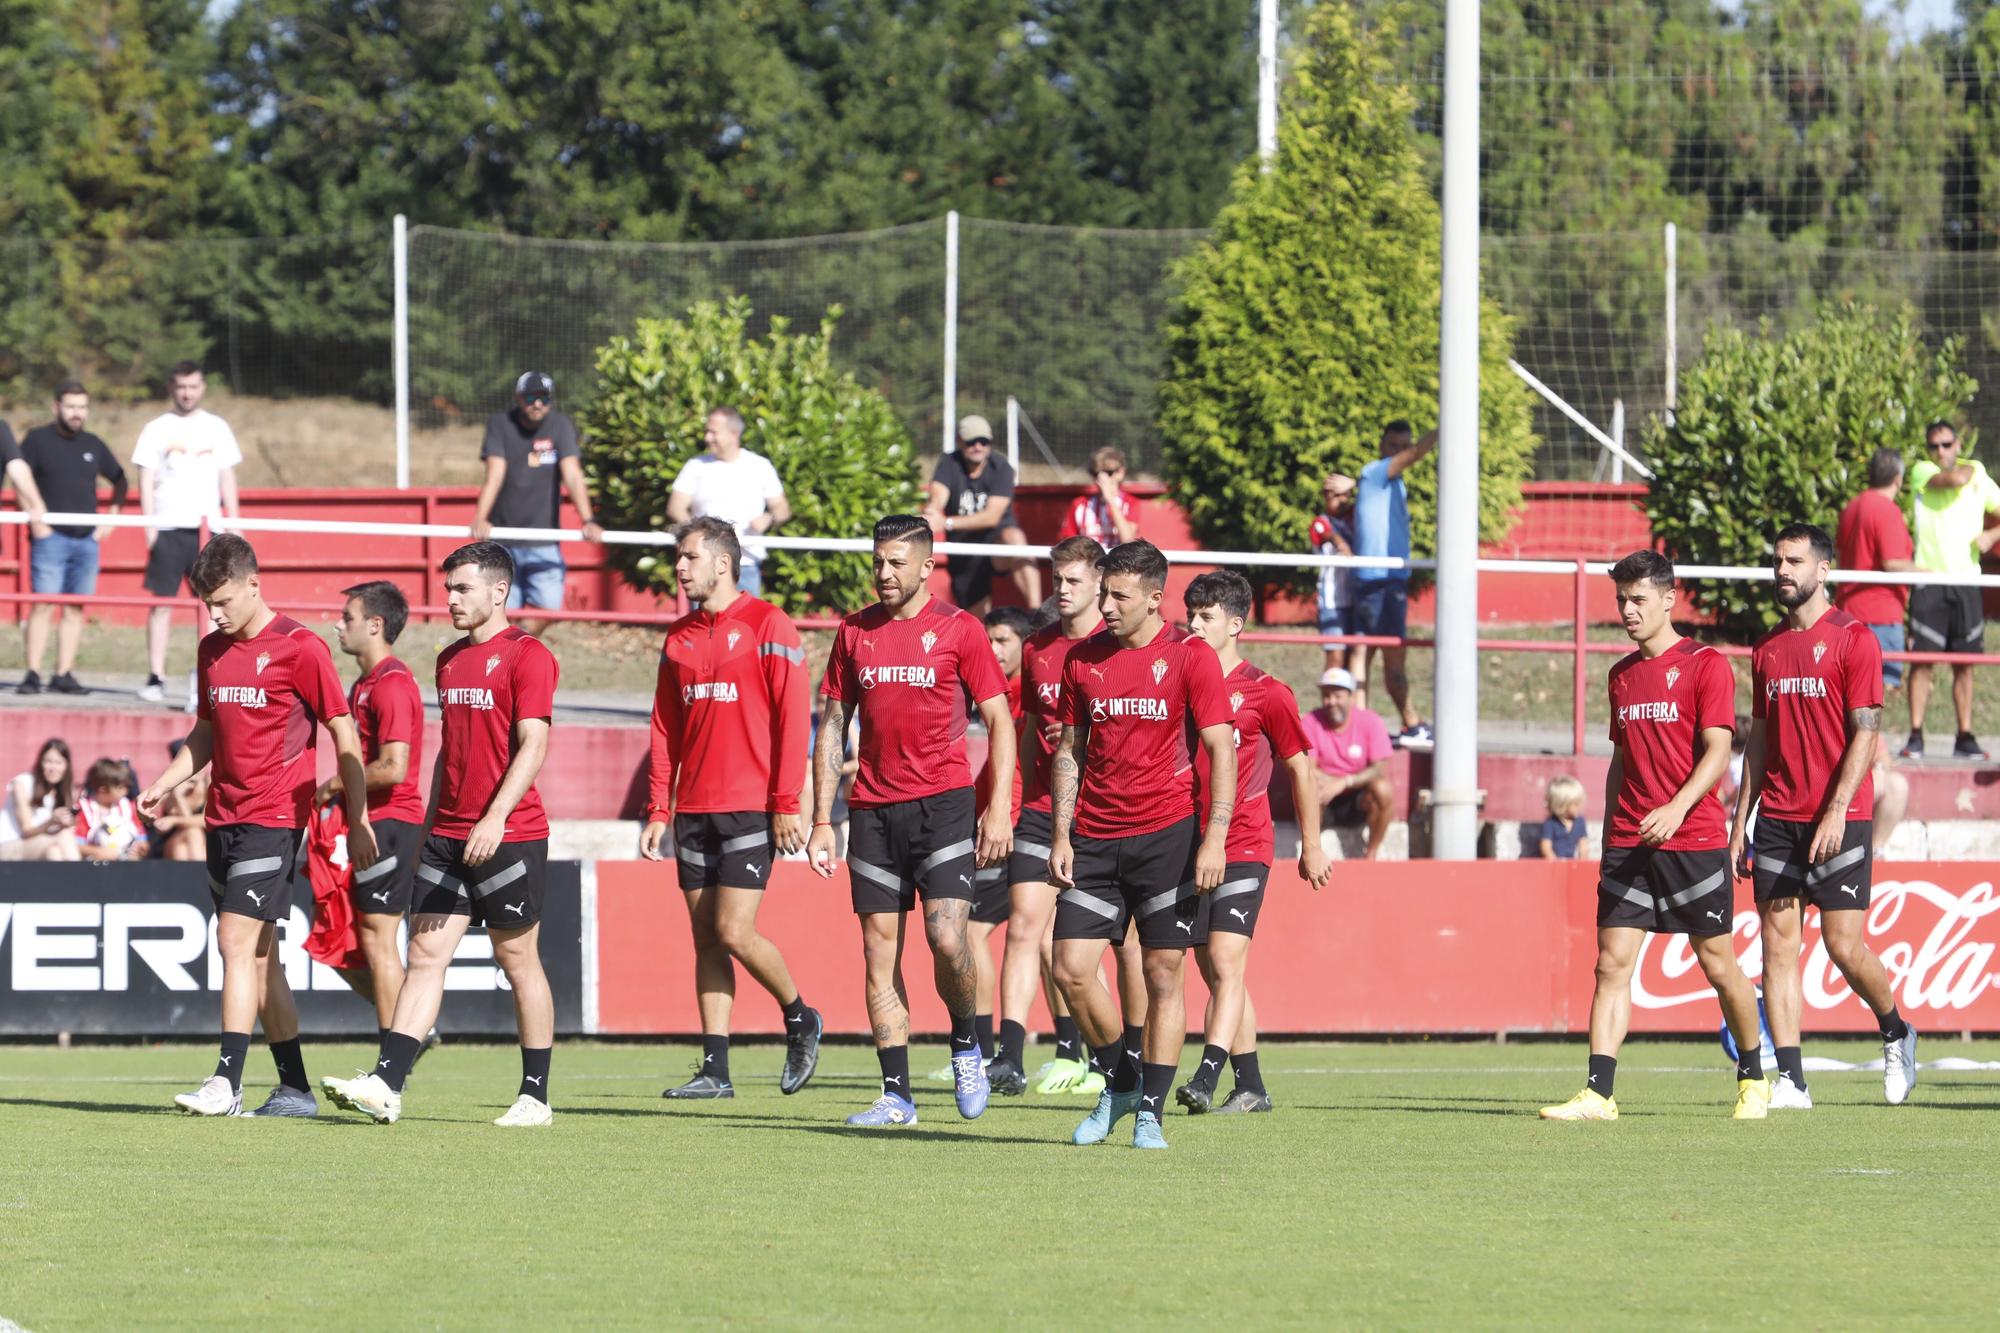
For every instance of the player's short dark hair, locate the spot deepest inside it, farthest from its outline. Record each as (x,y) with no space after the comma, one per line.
(1220,587)
(1884,466)
(182,369)
(493,560)
(108,772)
(1397,427)
(1077,550)
(227,556)
(903,528)
(68,387)
(379,597)
(1937,426)
(716,535)
(1014,618)
(1141,559)
(1644,567)
(729,414)
(1811,534)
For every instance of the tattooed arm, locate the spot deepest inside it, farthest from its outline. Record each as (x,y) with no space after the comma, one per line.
(828,750)
(1862,726)
(1065,782)
(1210,860)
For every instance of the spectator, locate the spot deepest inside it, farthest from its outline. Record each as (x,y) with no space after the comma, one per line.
(1565,834)
(1873,535)
(1382,596)
(1332,533)
(110,822)
(1107,515)
(735,485)
(527,449)
(186,459)
(1954,496)
(38,812)
(1351,746)
(182,826)
(66,461)
(972,500)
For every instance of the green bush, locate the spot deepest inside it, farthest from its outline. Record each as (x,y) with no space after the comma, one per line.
(839,448)
(1775,429)
(1310,318)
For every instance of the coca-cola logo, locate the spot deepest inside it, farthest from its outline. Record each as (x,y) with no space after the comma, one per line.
(1938,946)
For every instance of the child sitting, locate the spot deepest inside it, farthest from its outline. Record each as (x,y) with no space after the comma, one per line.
(108,825)
(1565,834)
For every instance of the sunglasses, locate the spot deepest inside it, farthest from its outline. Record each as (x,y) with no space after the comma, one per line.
(541,398)
(1109,472)
(1935,445)
(980,443)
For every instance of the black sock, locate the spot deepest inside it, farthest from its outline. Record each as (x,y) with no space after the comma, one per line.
(1603,1074)
(535,1072)
(380,1035)
(1121,1074)
(895,1062)
(1750,1064)
(1156,1081)
(1069,1045)
(229,1064)
(1249,1078)
(1013,1042)
(982,1026)
(795,1013)
(291,1062)
(964,1034)
(1792,1066)
(715,1056)
(1210,1068)
(398,1053)
(1134,1042)
(1892,1025)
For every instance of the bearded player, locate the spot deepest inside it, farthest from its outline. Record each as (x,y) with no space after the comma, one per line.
(1666,857)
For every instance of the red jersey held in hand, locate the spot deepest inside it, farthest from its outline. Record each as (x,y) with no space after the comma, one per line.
(484,689)
(1659,708)
(982,786)
(730,716)
(1806,683)
(388,707)
(264,698)
(1143,707)
(1042,659)
(911,680)
(1267,731)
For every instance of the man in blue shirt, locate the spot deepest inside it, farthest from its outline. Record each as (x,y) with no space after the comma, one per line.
(1382,596)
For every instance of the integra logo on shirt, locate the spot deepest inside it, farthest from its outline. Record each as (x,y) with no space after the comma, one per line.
(712,691)
(1144,710)
(1050,692)
(1650,712)
(245,696)
(924,678)
(1808,687)
(467,698)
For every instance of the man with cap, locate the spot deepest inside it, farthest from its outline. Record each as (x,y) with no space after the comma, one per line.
(972,500)
(1350,746)
(734,484)
(527,448)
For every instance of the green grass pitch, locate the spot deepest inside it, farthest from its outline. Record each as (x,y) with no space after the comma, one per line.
(1396,1185)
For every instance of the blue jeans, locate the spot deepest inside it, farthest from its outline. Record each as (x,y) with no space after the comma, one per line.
(538,575)
(1891,639)
(750,578)
(61,564)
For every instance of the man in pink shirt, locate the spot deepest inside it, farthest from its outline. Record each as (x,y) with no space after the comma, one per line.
(1350,746)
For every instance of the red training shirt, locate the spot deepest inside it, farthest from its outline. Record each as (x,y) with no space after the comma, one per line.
(387,706)
(1659,708)
(982,786)
(263,698)
(730,715)
(1872,530)
(911,678)
(1042,659)
(1267,730)
(1806,683)
(484,689)
(1143,707)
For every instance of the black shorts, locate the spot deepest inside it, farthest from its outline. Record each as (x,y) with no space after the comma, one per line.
(503,894)
(992,896)
(1345,810)
(383,889)
(1028,863)
(971,579)
(1670,893)
(1148,878)
(1838,884)
(170,559)
(1234,904)
(251,869)
(895,850)
(731,851)
(1946,619)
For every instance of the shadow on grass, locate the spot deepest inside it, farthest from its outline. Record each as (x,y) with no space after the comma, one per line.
(107,1108)
(921,1130)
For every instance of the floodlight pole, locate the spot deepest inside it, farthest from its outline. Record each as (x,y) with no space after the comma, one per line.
(1267,82)
(951,330)
(1455,761)
(399,341)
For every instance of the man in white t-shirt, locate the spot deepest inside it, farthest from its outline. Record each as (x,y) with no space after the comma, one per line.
(186,459)
(731,483)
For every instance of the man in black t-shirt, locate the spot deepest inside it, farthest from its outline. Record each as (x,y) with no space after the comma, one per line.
(66,461)
(972,500)
(528,448)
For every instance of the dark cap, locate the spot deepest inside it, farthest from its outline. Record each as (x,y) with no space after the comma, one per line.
(534,383)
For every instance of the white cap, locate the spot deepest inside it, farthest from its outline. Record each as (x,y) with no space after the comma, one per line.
(1334,678)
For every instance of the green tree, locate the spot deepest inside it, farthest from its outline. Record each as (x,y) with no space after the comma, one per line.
(1310,318)
(839,448)
(1778,427)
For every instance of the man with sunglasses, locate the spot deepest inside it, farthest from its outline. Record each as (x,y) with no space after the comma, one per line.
(1955,501)
(971,499)
(527,449)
